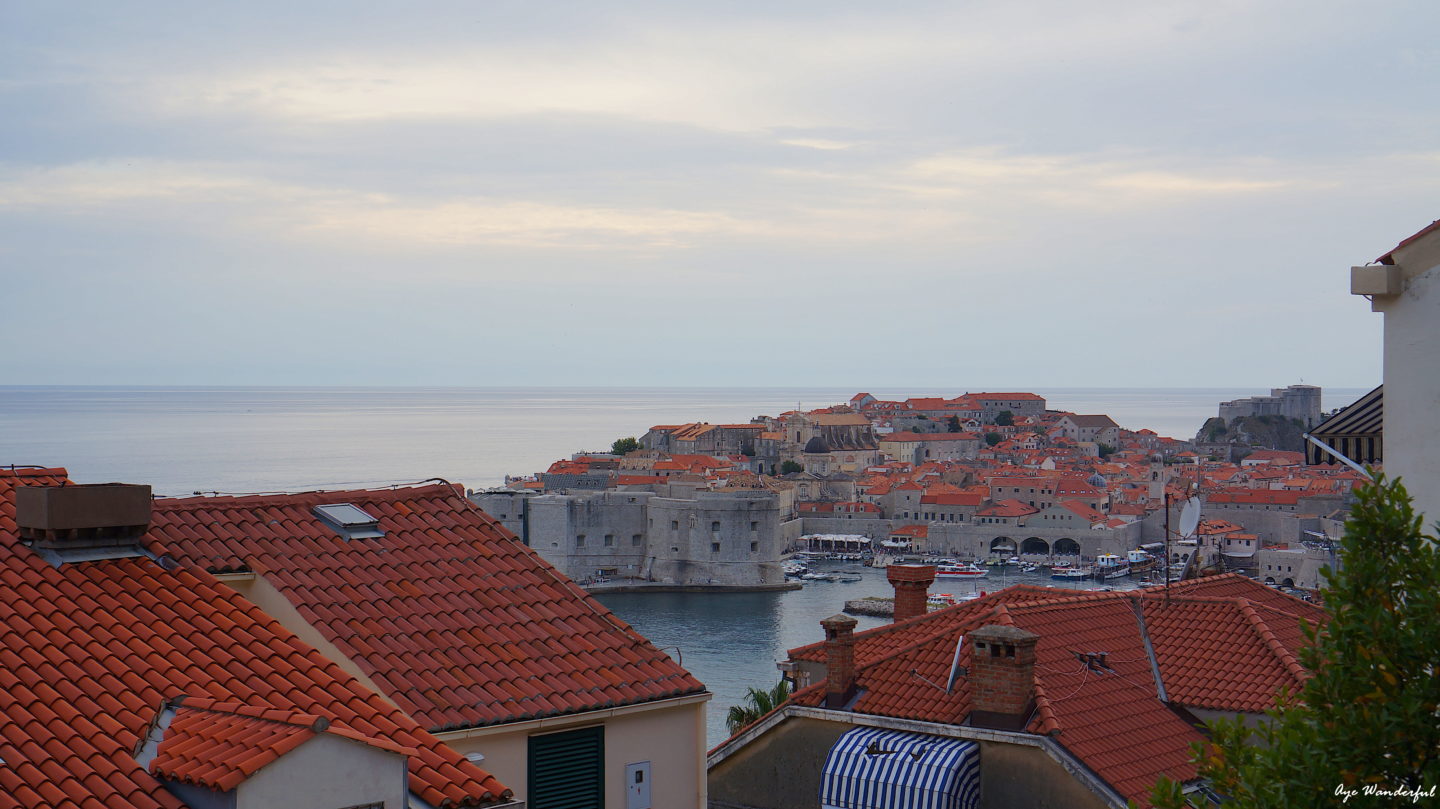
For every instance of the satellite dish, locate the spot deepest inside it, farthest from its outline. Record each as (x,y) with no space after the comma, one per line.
(1190,517)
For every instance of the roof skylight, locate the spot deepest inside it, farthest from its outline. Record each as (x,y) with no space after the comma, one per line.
(350,520)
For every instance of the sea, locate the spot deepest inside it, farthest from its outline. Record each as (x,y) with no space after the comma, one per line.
(184,440)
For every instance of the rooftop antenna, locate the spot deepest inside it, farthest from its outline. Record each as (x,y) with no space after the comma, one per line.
(1189,521)
(955,669)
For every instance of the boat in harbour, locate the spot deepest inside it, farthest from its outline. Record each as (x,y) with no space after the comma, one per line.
(1111,566)
(955,570)
(1142,562)
(1070,573)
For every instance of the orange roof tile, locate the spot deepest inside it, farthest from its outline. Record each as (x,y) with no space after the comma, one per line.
(452,617)
(219,745)
(88,651)
(1223,642)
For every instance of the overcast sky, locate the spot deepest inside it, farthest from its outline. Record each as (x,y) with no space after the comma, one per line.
(956,194)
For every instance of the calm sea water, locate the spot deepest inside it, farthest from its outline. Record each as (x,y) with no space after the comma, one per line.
(182,440)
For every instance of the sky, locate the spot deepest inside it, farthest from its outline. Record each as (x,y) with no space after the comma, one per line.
(957,194)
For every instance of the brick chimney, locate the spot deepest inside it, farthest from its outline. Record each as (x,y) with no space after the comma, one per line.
(82,517)
(839,660)
(912,585)
(1002,677)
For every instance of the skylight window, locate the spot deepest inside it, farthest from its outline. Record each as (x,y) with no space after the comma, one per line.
(350,521)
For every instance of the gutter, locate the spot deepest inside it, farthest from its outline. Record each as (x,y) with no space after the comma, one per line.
(566,720)
(1049,745)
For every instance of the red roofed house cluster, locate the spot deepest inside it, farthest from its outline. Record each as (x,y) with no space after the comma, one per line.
(320,649)
(1065,698)
(990,474)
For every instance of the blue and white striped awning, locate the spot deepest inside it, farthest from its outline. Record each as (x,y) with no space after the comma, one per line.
(872,768)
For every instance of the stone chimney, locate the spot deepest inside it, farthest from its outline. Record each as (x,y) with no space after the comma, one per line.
(839,660)
(912,585)
(1002,677)
(82,517)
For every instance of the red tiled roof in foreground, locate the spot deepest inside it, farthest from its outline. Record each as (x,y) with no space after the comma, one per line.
(453,618)
(89,651)
(1225,643)
(219,745)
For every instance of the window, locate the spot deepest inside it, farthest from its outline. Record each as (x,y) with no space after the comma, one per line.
(609,540)
(674,525)
(715,526)
(634,539)
(566,770)
(714,547)
(579,540)
(754,526)
(754,546)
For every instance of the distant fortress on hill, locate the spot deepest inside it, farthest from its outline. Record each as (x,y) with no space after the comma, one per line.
(1295,402)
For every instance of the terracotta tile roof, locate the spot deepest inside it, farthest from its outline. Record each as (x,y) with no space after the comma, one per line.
(1256,497)
(956,498)
(882,641)
(1008,508)
(219,745)
(1223,642)
(88,652)
(447,613)
(1082,510)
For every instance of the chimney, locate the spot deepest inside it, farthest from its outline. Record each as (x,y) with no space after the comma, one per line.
(82,517)
(1002,677)
(839,660)
(912,584)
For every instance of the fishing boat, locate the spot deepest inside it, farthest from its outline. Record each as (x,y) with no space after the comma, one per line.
(1111,566)
(1070,573)
(960,571)
(1142,562)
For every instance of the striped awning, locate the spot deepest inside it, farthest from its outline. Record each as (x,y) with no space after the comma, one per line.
(873,768)
(1354,432)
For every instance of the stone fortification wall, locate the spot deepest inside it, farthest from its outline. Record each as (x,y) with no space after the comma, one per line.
(870,527)
(714,538)
(582,535)
(703,538)
(790,531)
(507,506)
(975,541)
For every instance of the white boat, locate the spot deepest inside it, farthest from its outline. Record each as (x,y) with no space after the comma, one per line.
(1071,573)
(959,571)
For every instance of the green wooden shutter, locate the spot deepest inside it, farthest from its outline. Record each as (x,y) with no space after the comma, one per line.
(567,770)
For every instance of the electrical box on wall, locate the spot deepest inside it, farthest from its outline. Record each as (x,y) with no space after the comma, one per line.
(637,785)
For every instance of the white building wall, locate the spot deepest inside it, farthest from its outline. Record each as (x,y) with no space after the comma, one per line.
(324,773)
(1412,373)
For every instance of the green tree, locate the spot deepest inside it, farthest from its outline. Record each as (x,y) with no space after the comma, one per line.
(1106,450)
(791,466)
(1005,418)
(1370,715)
(953,424)
(624,446)
(758,702)
(993,438)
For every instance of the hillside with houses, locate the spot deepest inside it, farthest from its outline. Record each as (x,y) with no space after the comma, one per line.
(972,477)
